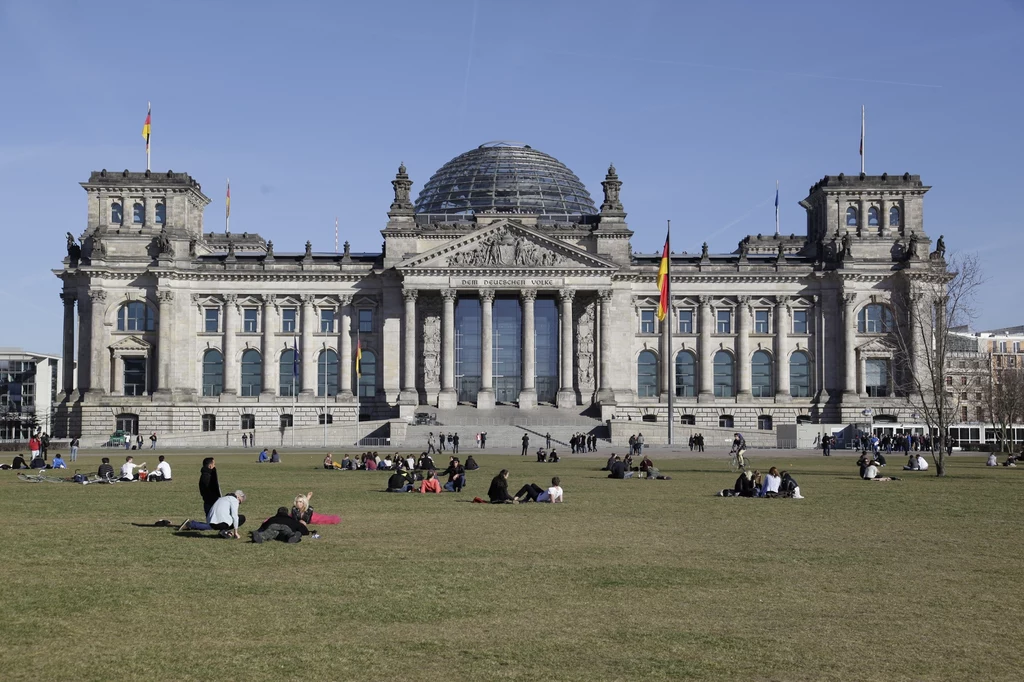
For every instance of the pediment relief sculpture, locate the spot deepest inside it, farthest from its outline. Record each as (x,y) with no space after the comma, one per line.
(504,248)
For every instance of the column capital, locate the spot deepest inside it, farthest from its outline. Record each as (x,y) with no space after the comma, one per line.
(486,294)
(744,301)
(449,294)
(605,294)
(344,300)
(566,294)
(409,295)
(528,294)
(307,299)
(784,302)
(68,297)
(165,296)
(705,301)
(97,295)
(849,298)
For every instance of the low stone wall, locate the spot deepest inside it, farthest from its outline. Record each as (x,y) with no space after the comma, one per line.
(656,433)
(341,436)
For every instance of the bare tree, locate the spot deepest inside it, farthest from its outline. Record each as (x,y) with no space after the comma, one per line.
(934,302)
(1004,400)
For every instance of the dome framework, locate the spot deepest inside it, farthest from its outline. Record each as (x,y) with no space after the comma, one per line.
(504,177)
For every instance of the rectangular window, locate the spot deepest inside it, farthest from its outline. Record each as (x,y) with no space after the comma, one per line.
(1016,346)
(724,322)
(366,321)
(760,321)
(963,381)
(685,321)
(250,320)
(209,422)
(1002,346)
(799,321)
(327,321)
(248,421)
(288,320)
(647,322)
(134,376)
(876,378)
(211,323)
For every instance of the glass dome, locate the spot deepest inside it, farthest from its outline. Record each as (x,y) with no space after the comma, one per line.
(504,177)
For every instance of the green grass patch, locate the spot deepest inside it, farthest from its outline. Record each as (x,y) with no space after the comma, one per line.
(914,579)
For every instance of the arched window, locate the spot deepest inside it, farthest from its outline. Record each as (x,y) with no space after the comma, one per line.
(252,372)
(161,213)
(761,375)
(135,316)
(367,375)
(116,213)
(289,373)
(686,375)
(327,373)
(874,318)
(799,375)
(647,374)
(872,217)
(894,217)
(851,217)
(725,384)
(138,213)
(213,373)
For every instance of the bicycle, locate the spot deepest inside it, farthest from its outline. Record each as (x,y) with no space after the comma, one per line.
(40,478)
(738,460)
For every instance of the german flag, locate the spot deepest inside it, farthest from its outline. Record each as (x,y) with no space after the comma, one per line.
(146,126)
(663,281)
(359,357)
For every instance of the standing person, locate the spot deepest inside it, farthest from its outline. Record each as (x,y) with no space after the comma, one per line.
(526,444)
(440,441)
(138,442)
(245,439)
(209,486)
(690,442)
(826,446)
(455,443)
(483,440)
(477,440)
(547,440)
(44,444)
(74,450)
(33,446)
(639,444)
(430,444)
(152,441)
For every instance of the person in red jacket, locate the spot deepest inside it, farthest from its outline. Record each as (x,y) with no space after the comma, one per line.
(430,484)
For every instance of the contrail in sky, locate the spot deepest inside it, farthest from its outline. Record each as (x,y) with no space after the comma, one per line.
(740,219)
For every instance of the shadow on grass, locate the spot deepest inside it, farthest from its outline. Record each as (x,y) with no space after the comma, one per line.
(197,534)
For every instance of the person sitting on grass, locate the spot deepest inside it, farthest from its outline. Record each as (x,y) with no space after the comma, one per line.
(425,462)
(329,461)
(471,464)
(223,517)
(264,457)
(410,462)
(619,469)
(301,511)
(789,487)
(163,471)
(772,482)
(646,465)
(553,457)
(744,487)
(430,483)
(456,476)
(871,474)
(991,461)
(542,456)
(608,464)
(1011,460)
(128,469)
(400,482)
(37,463)
(20,463)
(498,490)
(105,472)
(274,457)
(281,527)
(531,492)
(58,462)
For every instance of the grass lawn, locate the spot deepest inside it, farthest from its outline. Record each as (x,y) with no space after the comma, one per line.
(916,579)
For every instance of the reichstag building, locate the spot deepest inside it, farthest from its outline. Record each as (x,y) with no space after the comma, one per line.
(502,284)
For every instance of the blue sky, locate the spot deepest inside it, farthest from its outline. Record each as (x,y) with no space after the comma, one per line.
(310,107)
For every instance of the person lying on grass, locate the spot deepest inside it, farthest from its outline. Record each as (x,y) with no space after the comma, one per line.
(302,512)
(281,527)
(533,492)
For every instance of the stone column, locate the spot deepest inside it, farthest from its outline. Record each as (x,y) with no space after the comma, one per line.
(346,360)
(447,399)
(99,353)
(566,393)
(883,217)
(528,391)
(409,394)
(782,325)
(850,347)
(862,375)
(118,364)
(164,352)
(862,217)
(231,372)
(743,349)
(707,324)
(68,370)
(485,396)
(606,395)
(308,352)
(270,364)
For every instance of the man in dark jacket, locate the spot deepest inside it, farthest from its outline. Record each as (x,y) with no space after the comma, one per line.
(209,486)
(106,472)
(619,470)
(498,492)
(281,527)
(399,482)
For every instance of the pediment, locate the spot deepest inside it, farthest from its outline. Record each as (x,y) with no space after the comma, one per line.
(129,344)
(879,345)
(506,244)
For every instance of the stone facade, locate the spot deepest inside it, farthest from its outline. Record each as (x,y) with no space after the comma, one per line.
(182,330)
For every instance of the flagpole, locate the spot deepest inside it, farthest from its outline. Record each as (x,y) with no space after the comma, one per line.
(670,318)
(359,371)
(335,234)
(776,207)
(295,359)
(862,138)
(325,394)
(227,210)
(149,110)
